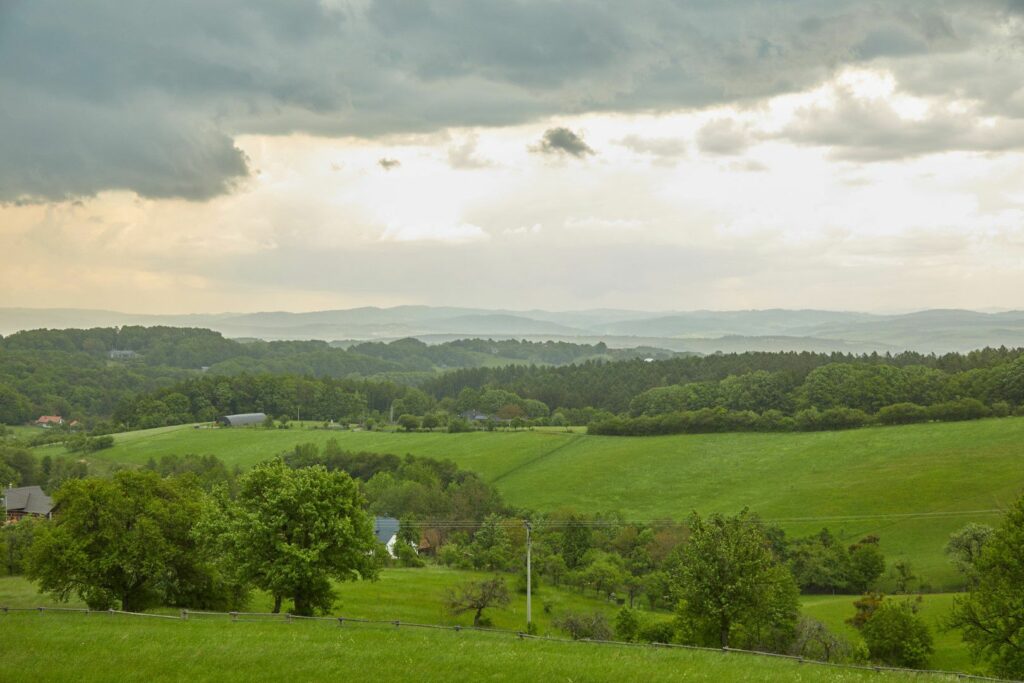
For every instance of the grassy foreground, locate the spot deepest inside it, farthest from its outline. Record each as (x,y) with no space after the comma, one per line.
(854,482)
(97,647)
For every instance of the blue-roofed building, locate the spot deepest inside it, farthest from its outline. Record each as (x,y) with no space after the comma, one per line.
(386,530)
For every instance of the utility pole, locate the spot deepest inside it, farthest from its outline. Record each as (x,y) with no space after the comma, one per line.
(529,618)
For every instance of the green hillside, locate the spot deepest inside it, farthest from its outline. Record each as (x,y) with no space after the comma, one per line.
(911,485)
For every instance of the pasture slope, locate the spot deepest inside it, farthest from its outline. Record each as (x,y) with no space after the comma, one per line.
(910,485)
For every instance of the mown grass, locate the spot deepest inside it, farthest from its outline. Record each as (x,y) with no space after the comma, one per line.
(97,647)
(821,479)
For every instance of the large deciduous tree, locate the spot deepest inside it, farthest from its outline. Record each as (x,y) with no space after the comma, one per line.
(731,587)
(992,615)
(291,531)
(128,542)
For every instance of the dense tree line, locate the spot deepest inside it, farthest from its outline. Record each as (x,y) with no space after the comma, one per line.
(769,379)
(70,372)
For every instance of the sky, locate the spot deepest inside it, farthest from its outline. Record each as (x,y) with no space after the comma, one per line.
(229,155)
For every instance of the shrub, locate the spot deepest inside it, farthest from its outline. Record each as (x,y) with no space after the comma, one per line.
(581,626)
(896,635)
(964,409)
(663,631)
(902,414)
(627,624)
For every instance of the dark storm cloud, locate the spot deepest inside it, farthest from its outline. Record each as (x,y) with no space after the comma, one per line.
(148,95)
(562,141)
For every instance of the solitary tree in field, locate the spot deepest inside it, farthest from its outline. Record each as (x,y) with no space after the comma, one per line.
(730,584)
(476,596)
(291,531)
(992,616)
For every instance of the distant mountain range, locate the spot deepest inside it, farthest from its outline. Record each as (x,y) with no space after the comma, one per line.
(937,330)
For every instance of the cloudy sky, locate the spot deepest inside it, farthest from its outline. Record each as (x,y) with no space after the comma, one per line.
(308,154)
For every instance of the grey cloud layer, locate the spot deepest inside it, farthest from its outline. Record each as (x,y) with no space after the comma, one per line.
(148,95)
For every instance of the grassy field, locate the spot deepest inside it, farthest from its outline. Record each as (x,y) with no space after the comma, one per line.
(855,482)
(414,595)
(951,653)
(106,648)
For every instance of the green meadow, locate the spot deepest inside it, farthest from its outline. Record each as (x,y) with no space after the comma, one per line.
(99,647)
(408,595)
(910,485)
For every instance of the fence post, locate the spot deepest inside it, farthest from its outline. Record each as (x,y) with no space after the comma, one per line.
(341,621)
(234,616)
(184,614)
(288,617)
(397,623)
(110,611)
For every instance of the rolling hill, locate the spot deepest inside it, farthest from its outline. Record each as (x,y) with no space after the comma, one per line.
(911,485)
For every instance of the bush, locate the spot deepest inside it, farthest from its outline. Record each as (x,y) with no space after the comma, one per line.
(814,641)
(902,414)
(896,635)
(657,632)
(580,626)
(458,425)
(627,625)
(964,409)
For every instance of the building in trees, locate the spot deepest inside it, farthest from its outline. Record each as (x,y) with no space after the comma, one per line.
(26,501)
(242,419)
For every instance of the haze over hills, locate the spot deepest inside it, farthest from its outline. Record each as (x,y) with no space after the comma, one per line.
(937,330)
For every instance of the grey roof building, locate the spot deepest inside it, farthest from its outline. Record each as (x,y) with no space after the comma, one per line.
(242,419)
(27,500)
(385,528)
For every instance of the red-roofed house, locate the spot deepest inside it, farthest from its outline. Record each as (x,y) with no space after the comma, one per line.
(48,421)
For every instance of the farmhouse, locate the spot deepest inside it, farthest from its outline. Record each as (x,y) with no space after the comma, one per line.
(242,419)
(47,421)
(26,500)
(386,531)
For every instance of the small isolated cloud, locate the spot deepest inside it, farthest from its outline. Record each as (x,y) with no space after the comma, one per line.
(525,230)
(425,232)
(609,224)
(389,164)
(723,137)
(661,149)
(562,141)
(464,155)
(748,166)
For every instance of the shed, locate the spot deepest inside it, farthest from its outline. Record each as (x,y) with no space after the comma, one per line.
(242,419)
(26,500)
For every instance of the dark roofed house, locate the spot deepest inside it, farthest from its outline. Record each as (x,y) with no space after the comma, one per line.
(386,531)
(27,500)
(242,420)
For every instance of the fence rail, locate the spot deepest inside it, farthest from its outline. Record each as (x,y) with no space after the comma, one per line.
(271,617)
